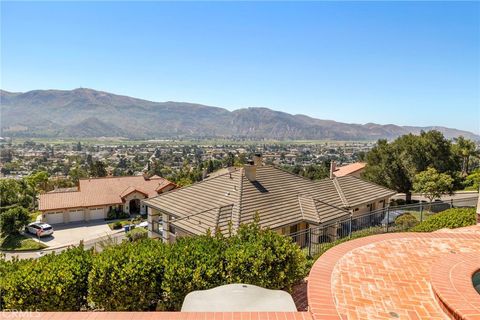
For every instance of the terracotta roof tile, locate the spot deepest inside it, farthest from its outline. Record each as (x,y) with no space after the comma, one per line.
(101,191)
(280,198)
(349,169)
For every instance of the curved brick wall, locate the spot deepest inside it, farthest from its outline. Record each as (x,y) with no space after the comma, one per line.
(451,279)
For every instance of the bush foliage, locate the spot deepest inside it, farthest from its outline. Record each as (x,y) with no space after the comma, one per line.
(264,258)
(194,263)
(53,282)
(127,277)
(137,234)
(405,221)
(147,274)
(13,220)
(451,218)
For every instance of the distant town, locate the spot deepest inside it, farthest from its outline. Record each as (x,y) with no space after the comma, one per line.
(181,162)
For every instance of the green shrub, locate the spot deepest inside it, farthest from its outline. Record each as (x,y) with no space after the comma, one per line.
(451,218)
(264,258)
(13,220)
(123,215)
(127,276)
(117,225)
(7,268)
(194,263)
(137,234)
(55,282)
(111,215)
(405,221)
(147,274)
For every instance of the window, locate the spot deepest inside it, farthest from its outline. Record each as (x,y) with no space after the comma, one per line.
(157,227)
(171,229)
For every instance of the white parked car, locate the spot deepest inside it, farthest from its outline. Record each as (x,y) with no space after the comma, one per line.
(39,229)
(143,224)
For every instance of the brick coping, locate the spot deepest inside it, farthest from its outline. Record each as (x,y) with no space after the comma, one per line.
(157,315)
(451,280)
(321,301)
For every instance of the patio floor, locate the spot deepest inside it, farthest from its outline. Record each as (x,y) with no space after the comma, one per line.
(389,276)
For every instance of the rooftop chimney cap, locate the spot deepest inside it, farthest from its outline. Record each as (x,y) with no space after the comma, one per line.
(333,168)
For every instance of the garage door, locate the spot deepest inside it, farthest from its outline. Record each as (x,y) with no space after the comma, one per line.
(54,217)
(97,214)
(76,215)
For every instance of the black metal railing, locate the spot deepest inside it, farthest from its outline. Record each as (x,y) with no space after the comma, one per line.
(317,239)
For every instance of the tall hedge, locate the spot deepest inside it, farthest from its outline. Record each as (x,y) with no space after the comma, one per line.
(194,263)
(451,218)
(53,282)
(127,277)
(148,274)
(263,257)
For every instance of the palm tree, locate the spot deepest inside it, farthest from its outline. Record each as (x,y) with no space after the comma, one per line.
(465,148)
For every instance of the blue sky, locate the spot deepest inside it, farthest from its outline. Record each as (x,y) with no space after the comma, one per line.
(385,62)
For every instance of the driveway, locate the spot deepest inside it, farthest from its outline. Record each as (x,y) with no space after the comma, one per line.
(73,233)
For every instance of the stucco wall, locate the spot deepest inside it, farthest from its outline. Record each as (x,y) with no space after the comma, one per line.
(132,196)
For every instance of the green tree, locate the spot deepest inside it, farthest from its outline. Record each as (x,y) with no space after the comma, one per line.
(432,184)
(98,169)
(9,192)
(316,172)
(39,181)
(394,165)
(183,182)
(230,160)
(13,220)
(465,149)
(77,173)
(472,181)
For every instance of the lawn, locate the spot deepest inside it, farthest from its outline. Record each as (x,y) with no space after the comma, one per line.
(124,222)
(20,243)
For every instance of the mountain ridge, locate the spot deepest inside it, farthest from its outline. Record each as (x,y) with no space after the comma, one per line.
(86,112)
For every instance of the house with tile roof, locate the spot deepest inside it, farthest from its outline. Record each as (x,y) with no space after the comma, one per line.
(283,201)
(93,198)
(353,169)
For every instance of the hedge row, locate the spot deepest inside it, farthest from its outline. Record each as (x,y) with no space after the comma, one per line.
(149,275)
(451,218)
(53,282)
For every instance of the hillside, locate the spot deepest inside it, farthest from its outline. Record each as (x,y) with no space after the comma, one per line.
(90,113)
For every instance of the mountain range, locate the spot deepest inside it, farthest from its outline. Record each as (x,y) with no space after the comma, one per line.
(84,113)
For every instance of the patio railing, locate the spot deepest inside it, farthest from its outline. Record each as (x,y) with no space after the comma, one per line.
(317,239)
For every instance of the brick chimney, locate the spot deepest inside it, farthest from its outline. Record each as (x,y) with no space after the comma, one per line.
(333,168)
(251,171)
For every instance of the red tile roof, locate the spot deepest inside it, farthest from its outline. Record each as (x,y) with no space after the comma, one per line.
(102,191)
(349,169)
